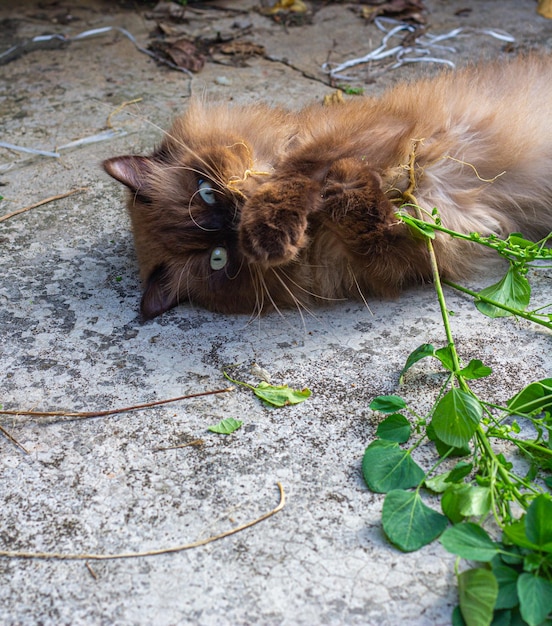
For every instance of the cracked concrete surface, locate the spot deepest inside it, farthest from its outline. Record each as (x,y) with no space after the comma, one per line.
(72,340)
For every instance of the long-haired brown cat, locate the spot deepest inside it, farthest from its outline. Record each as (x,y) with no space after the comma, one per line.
(246,208)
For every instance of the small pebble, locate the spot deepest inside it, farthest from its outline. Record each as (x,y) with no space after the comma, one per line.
(222,80)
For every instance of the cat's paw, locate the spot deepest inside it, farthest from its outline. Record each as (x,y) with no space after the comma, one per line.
(273,222)
(350,185)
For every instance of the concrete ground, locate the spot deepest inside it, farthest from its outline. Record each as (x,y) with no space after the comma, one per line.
(72,340)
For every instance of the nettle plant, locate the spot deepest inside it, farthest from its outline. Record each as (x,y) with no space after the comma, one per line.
(511,581)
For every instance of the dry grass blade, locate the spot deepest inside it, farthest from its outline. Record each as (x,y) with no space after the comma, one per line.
(45,201)
(133,555)
(108,123)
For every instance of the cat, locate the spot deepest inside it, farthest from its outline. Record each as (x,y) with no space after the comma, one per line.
(244,209)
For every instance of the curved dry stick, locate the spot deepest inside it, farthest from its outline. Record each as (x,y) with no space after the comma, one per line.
(133,555)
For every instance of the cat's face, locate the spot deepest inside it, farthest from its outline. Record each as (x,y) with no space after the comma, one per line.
(185,204)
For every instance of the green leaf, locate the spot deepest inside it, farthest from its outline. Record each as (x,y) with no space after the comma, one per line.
(463,500)
(535,598)
(508,617)
(477,502)
(387,404)
(477,591)
(408,522)
(470,541)
(444,449)
(506,578)
(350,90)
(452,501)
(513,291)
(532,562)
(538,521)
(280,395)
(534,398)
(459,471)
(438,483)
(513,556)
(445,356)
(420,353)
(517,239)
(455,418)
(394,428)
(418,226)
(457,619)
(385,466)
(516,534)
(226,426)
(475,369)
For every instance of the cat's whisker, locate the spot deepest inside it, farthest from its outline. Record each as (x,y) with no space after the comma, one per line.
(238,271)
(192,218)
(259,289)
(357,285)
(185,271)
(277,309)
(299,304)
(307,291)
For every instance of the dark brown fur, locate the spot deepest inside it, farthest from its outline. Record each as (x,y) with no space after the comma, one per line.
(303,203)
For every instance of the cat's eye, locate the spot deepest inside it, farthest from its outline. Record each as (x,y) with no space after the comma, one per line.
(219,258)
(206,191)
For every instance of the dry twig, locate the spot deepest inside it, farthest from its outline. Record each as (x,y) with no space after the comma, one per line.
(109,412)
(195,442)
(45,201)
(11,438)
(132,555)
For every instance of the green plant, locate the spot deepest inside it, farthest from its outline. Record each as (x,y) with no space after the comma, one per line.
(514,584)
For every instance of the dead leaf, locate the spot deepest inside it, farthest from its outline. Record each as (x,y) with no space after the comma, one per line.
(242,49)
(545,8)
(167,11)
(182,52)
(406,10)
(336,97)
(296,6)
(288,12)
(260,372)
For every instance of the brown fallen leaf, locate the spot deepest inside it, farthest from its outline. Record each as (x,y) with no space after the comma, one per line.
(181,51)
(336,97)
(407,10)
(242,48)
(545,8)
(167,11)
(288,12)
(296,6)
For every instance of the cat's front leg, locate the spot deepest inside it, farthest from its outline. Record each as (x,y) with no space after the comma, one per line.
(355,206)
(273,223)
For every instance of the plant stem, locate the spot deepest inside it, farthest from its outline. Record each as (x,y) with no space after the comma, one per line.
(498,245)
(434,268)
(517,312)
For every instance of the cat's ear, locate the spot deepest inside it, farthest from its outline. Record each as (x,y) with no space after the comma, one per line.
(133,171)
(157,297)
